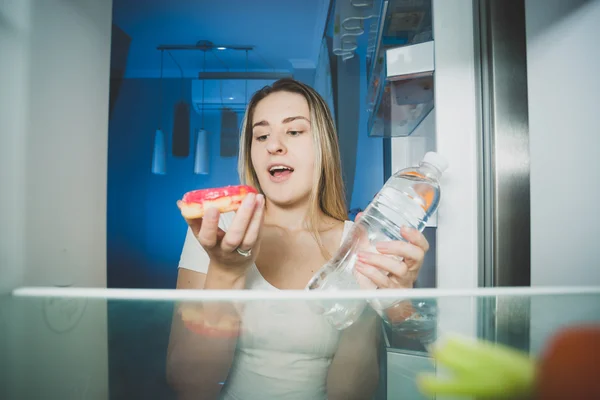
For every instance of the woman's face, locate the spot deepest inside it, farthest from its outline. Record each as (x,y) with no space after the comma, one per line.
(282,149)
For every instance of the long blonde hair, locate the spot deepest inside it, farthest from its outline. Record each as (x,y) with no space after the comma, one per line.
(327,194)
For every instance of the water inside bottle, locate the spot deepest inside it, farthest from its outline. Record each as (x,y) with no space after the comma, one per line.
(405,200)
(408,200)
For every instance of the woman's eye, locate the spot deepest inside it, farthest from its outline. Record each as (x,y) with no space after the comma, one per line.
(261,138)
(294,133)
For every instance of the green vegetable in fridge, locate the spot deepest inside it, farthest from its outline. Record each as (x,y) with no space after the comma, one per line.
(479,369)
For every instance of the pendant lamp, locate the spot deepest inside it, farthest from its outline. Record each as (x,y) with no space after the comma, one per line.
(201,159)
(159,155)
(202,155)
(180,142)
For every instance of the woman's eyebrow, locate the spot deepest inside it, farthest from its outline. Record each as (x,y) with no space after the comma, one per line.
(260,123)
(284,121)
(290,119)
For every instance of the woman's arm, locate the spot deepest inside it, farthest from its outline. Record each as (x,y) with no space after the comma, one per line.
(189,279)
(354,371)
(204,334)
(200,354)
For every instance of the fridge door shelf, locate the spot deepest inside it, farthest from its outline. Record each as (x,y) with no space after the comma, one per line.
(401,90)
(396,23)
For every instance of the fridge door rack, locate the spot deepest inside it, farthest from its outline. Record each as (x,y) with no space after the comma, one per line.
(400,65)
(401,90)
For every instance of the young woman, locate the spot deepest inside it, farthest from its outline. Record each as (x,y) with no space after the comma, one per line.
(277,240)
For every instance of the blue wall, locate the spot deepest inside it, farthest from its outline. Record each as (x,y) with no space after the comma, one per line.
(145,228)
(368,173)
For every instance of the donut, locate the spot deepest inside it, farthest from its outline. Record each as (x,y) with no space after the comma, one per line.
(225,199)
(216,332)
(194,321)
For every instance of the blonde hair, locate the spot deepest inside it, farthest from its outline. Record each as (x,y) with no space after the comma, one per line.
(327,193)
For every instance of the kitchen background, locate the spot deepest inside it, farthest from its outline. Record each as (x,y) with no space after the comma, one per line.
(145,231)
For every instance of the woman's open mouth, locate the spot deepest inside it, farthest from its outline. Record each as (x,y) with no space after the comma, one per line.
(280,173)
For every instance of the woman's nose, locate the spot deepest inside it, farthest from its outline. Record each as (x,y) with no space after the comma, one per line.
(276,146)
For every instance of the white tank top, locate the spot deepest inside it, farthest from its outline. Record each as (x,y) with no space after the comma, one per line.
(284,350)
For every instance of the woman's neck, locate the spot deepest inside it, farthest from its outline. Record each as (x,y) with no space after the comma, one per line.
(294,218)
(290,218)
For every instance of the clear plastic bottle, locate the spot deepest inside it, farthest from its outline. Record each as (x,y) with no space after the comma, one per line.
(409,198)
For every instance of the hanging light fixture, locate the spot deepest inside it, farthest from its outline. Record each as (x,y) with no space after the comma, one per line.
(202,159)
(228,86)
(159,155)
(180,135)
(202,156)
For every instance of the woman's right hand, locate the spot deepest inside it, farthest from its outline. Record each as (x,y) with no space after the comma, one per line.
(243,234)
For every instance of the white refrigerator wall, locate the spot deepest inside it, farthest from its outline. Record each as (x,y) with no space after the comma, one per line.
(54,125)
(564,129)
(54,80)
(456,138)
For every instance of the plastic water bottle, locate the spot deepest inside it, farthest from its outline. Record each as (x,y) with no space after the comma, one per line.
(409,198)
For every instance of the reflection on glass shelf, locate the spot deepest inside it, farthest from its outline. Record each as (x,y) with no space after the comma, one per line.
(411,324)
(99,343)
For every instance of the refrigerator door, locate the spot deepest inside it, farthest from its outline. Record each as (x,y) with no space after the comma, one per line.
(479,123)
(506,166)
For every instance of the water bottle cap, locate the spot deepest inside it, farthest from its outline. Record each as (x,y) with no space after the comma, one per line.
(436,160)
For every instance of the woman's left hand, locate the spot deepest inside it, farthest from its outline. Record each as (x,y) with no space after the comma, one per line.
(398,264)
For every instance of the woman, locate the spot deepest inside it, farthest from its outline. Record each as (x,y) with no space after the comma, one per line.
(277,240)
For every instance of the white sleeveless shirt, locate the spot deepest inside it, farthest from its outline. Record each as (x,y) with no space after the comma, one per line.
(284,350)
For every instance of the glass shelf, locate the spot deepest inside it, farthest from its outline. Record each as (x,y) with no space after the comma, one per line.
(99,343)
